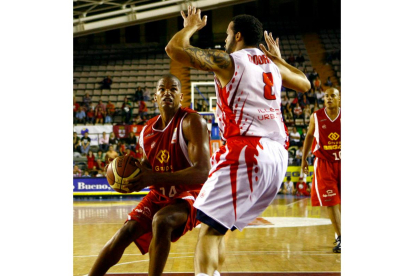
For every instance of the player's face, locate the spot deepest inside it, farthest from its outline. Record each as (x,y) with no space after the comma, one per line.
(230,40)
(331,98)
(168,93)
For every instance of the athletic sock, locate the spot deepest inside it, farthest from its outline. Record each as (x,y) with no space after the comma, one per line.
(216,273)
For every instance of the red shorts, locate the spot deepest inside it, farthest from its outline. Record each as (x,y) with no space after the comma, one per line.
(326,183)
(150,205)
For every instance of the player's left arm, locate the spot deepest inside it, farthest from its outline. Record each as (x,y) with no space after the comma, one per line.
(307,144)
(196,135)
(292,77)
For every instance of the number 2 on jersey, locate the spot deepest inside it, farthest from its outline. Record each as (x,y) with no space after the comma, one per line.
(268,80)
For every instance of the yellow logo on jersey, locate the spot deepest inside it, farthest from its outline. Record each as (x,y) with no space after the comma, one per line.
(163,156)
(333,136)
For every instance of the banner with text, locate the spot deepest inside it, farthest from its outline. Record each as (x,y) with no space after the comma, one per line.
(295,172)
(97,186)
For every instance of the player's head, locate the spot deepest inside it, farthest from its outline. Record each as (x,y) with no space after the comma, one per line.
(288,178)
(244,29)
(332,98)
(168,94)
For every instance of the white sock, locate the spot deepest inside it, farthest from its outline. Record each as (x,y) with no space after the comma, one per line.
(216,273)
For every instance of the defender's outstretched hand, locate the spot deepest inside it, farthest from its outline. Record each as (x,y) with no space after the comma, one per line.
(193,19)
(273,46)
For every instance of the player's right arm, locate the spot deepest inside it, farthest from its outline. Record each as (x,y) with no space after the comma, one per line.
(292,77)
(180,49)
(307,144)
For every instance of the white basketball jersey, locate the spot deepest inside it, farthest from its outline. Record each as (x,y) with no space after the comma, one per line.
(249,105)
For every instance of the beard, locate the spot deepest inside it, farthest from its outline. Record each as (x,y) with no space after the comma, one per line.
(230,48)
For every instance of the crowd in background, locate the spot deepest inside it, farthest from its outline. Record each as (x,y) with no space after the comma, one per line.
(109,148)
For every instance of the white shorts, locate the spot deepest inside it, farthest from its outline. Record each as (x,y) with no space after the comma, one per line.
(245,177)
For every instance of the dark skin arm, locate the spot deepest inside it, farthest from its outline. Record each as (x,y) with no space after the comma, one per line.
(180,49)
(196,135)
(307,145)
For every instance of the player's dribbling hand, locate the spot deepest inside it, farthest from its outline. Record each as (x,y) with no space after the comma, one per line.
(142,180)
(193,19)
(273,45)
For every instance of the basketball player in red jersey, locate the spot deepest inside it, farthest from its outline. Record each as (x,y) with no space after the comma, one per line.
(324,134)
(175,163)
(248,170)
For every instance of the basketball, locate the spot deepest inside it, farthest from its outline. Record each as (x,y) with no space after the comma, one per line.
(121,169)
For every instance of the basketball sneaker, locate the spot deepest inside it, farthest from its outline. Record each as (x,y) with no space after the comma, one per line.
(337,248)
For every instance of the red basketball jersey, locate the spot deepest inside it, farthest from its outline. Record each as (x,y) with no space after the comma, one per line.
(166,151)
(327,142)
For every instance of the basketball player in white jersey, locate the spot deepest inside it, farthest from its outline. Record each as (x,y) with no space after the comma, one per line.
(247,172)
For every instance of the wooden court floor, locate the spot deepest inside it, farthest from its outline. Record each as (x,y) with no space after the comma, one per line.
(290,238)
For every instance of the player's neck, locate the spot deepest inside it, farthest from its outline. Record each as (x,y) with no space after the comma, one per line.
(166,117)
(332,112)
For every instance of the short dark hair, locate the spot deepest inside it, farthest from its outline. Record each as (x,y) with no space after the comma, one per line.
(288,178)
(170,76)
(250,28)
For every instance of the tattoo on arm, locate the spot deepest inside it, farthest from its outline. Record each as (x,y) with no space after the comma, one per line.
(208,59)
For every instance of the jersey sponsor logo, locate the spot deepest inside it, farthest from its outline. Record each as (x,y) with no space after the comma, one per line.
(329,193)
(332,147)
(163,156)
(163,169)
(148,135)
(260,59)
(324,126)
(333,136)
(174,137)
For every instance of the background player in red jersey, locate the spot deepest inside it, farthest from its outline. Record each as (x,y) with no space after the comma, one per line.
(324,134)
(174,165)
(248,171)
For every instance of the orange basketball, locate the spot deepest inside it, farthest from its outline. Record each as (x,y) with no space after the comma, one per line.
(120,169)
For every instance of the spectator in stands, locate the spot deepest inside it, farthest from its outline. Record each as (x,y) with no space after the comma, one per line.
(128,151)
(101,105)
(287,113)
(204,108)
(76,143)
(100,160)
(87,100)
(113,141)
(316,107)
(294,137)
(304,101)
(91,160)
(317,83)
(307,74)
(300,59)
(297,111)
(131,141)
(121,147)
(80,116)
(106,83)
(104,142)
(90,114)
(311,95)
(146,94)
(285,101)
(288,187)
(328,57)
(76,107)
(99,173)
(328,82)
(319,96)
(85,143)
(291,59)
(313,75)
(99,115)
(86,174)
(126,110)
(298,157)
(76,171)
(307,112)
(110,111)
(303,135)
(140,153)
(110,154)
(143,110)
(138,95)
